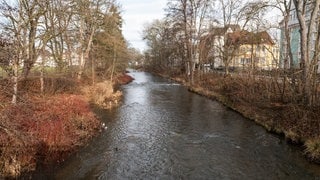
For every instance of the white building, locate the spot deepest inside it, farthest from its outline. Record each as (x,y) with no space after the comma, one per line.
(219,38)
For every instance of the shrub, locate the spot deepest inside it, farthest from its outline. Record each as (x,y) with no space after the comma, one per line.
(102,94)
(313,148)
(45,129)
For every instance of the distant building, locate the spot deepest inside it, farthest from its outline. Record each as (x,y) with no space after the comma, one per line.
(294,30)
(47,59)
(217,38)
(242,49)
(255,50)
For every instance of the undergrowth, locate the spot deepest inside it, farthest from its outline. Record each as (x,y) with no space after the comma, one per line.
(43,129)
(102,94)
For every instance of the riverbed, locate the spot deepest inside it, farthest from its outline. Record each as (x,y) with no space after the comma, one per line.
(163,131)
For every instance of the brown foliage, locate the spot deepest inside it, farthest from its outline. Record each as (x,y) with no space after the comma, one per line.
(52,85)
(43,129)
(124,79)
(102,94)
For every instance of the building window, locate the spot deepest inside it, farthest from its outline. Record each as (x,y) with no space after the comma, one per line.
(245,61)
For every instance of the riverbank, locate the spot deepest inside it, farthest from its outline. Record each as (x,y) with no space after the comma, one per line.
(299,124)
(45,129)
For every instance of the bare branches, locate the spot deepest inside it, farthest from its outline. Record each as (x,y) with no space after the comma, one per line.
(59,32)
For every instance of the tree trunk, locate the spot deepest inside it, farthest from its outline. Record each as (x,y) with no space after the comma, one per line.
(15,82)
(113,62)
(93,71)
(81,66)
(226,67)
(85,54)
(307,28)
(42,74)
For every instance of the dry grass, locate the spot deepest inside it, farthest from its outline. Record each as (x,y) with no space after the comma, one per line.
(313,148)
(102,94)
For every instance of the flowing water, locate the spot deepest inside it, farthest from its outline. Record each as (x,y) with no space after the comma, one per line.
(162,131)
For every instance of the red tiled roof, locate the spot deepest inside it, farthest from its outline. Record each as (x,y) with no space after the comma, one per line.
(246,37)
(220,31)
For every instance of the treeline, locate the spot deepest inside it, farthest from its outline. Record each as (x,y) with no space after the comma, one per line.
(70,38)
(183,42)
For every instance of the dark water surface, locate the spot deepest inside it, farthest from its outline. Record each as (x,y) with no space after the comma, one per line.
(162,131)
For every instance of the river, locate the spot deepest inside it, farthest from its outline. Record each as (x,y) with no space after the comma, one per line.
(163,131)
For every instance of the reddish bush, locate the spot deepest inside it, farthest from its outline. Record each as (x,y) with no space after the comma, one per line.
(124,79)
(47,127)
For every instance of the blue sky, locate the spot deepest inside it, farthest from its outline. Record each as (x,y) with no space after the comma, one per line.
(136,13)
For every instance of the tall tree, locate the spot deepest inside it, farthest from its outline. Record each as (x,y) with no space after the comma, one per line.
(308,15)
(284,6)
(20,24)
(231,13)
(88,21)
(190,15)
(63,30)
(109,45)
(58,22)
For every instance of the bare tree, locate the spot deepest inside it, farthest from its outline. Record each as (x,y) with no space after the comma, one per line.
(284,6)
(239,13)
(308,15)
(58,22)
(191,15)
(20,25)
(30,13)
(34,26)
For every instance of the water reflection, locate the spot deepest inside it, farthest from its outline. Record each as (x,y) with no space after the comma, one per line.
(162,131)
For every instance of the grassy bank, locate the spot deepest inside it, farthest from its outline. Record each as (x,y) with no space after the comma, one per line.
(252,98)
(46,128)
